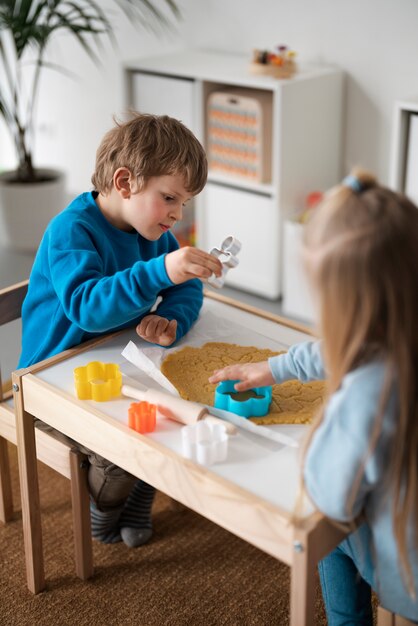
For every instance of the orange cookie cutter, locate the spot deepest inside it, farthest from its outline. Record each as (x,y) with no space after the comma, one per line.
(98,381)
(142,417)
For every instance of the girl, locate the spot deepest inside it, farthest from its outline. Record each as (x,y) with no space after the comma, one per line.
(361,255)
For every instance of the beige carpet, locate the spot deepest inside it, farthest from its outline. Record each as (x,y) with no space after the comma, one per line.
(192,572)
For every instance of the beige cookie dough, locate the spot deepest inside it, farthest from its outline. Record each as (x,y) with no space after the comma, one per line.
(189,369)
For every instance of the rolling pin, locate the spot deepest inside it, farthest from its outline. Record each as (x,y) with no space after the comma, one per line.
(175,408)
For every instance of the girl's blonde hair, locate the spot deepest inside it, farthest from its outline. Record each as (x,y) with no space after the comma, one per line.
(361,254)
(150,145)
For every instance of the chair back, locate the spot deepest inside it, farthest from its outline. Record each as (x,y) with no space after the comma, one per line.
(11,299)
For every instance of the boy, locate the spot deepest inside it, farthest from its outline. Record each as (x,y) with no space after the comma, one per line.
(100,267)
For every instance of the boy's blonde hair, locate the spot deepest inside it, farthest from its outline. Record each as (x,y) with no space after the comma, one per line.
(361,253)
(150,145)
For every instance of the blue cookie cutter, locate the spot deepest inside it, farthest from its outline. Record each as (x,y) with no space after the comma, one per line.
(253,407)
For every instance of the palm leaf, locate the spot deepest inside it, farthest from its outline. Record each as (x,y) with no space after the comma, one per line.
(31,24)
(148,14)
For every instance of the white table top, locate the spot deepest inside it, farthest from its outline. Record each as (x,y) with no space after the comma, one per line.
(265,468)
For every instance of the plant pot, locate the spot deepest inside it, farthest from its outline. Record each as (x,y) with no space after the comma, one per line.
(27,208)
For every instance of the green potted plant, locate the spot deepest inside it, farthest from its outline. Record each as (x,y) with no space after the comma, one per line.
(26,29)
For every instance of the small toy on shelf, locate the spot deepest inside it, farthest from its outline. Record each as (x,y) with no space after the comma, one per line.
(185,230)
(311,201)
(279,64)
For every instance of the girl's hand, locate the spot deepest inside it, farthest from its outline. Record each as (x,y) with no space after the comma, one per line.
(189,262)
(156,329)
(250,375)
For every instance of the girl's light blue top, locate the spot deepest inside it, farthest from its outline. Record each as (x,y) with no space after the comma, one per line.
(91,278)
(340,446)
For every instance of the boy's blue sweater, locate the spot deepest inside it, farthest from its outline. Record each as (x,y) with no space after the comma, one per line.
(90,278)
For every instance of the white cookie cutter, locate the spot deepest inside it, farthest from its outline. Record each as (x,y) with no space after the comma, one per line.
(205,443)
(227,255)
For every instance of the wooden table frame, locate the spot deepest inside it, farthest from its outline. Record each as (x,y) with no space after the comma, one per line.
(298,544)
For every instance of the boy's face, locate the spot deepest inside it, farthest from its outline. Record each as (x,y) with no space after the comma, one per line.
(154,210)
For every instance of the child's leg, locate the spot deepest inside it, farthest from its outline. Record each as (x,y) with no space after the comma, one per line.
(112,491)
(135,520)
(109,488)
(105,524)
(347,597)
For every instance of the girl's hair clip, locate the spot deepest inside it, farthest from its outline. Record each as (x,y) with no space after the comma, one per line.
(353,183)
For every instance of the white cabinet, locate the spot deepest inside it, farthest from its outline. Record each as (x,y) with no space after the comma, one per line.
(164,95)
(298,301)
(252,218)
(305,151)
(404,170)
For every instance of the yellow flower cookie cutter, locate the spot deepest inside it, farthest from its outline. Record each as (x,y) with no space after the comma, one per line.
(98,381)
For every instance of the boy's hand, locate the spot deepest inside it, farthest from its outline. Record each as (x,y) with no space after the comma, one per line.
(250,374)
(189,262)
(156,329)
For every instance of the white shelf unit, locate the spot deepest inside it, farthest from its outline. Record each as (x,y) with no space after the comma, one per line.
(306,150)
(404,166)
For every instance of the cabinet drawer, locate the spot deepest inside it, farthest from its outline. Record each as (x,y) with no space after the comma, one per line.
(252,218)
(162,95)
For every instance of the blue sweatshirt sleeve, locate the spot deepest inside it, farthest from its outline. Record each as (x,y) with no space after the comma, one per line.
(302,361)
(92,300)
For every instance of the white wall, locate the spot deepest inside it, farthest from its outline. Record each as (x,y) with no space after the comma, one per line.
(73,113)
(374,41)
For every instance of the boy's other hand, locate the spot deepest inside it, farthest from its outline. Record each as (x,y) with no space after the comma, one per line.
(189,262)
(250,375)
(156,329)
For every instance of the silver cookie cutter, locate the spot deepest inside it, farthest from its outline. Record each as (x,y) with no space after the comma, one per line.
(227,255)
(205,443)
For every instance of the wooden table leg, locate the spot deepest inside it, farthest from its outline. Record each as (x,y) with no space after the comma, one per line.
(81,515)
(6,497)
(31,512)
(302,586)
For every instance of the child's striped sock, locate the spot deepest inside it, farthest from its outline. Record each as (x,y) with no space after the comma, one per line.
(135,521)
(105,524)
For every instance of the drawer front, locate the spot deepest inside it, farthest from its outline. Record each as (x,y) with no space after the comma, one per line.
(253,219)
(162,95)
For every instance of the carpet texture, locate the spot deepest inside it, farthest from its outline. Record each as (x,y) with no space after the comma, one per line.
(191,573)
